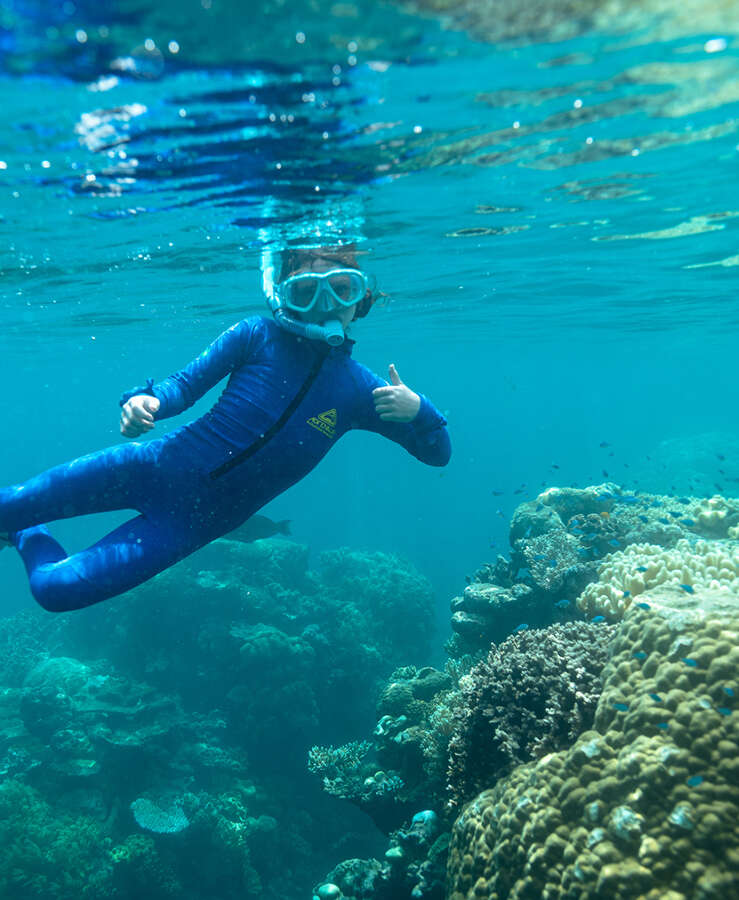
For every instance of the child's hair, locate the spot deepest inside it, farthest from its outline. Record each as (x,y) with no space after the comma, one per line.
(344,255)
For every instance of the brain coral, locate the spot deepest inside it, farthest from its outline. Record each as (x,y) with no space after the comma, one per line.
(640,567)
(647,805)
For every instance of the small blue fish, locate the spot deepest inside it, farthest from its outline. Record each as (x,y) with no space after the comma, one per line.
(562,604)
(522,627)
(614,543)
(641,568)
(604,444)
(663,725)
(693,663)
(583,550)
(551,563)
(724,710)
(591,537)
(539,507)
(523,572)
(629,498)
(729,691)
(674,513)
(644,518)
(688,522)
(643,606)
(656,698)
(656,503)
(639,654)
(694,780)
(539,556)
(605,496)
(625,593)
(664,520)
(597,619)
(576,530)
(621,707)
(688,588)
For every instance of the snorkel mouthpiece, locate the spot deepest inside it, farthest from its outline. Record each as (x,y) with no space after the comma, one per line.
(331,331)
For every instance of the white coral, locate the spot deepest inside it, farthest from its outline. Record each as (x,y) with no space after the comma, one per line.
(622,576)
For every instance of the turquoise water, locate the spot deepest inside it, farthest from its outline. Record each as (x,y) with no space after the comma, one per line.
(553,215)
(554,223)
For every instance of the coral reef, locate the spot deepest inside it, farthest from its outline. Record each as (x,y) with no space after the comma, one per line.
(561,540)
(45,851)
(182,749)
(535,693)
(646,804)
(626,575)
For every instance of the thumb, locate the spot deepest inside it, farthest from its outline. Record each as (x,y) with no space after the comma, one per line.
(151,404)
(394,377)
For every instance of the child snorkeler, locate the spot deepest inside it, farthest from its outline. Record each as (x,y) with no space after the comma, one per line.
(293,390)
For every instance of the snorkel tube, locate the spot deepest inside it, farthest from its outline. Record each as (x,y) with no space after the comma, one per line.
(331,330)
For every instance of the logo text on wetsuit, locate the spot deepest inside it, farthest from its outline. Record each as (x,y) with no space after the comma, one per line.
(324,422)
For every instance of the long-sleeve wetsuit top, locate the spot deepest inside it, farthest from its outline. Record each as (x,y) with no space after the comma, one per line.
(267,367)
(287,401)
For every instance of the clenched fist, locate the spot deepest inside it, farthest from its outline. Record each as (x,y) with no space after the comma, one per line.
(137,415)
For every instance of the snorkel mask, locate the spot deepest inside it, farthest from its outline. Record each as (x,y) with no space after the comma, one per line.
(319,294)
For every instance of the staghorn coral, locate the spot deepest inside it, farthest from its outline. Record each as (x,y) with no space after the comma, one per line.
(647,804)
(629,573)
(534,693)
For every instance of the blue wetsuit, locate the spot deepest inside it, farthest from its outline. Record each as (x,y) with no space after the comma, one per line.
(202,480)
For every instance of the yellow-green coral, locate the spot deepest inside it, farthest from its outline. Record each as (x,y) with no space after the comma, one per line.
(646,805)
(627,574)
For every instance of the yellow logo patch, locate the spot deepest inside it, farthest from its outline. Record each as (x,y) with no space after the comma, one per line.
(324,422)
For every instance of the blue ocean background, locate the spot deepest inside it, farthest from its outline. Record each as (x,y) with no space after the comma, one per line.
(551,209)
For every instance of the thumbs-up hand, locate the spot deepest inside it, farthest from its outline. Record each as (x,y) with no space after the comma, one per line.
(396,402)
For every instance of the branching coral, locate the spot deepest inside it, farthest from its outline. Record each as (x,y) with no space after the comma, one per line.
(534,693)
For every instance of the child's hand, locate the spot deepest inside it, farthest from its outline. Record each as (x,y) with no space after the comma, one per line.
(137,415)
(396,402)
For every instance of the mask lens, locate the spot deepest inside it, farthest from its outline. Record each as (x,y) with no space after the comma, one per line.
(300,292)
(348,287)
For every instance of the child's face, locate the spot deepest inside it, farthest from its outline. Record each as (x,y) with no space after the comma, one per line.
(321,264)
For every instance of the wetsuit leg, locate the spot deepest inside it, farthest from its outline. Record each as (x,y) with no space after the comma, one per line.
(99,482)
(128,556)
